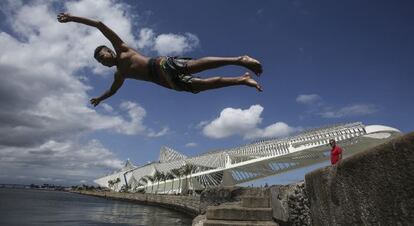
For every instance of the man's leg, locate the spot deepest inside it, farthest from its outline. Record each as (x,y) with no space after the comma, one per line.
(205,63)
(199,84)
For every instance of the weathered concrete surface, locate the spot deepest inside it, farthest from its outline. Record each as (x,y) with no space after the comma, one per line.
(219,195)
(237,198)
(187,204)
(290,204)
(239,223)
(199,220)
(238,213)
(374,187)
(253,210)
(255,202)
(279,198)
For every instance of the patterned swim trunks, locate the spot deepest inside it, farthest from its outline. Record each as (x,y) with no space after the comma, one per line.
(177,73)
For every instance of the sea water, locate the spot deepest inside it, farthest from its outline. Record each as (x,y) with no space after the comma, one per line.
(40,207)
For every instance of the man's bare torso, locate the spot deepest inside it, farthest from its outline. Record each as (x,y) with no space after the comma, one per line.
(131,64)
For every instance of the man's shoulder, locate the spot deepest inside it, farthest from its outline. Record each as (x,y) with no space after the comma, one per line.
(125,47)
(122,48)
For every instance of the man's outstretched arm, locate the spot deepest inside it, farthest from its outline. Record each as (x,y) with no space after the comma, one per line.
(118,81)
(106,31)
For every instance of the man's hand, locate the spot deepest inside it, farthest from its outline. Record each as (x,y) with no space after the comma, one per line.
(64,17)
(95,101)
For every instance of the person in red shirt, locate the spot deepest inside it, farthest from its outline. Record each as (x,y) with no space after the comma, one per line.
(336,152)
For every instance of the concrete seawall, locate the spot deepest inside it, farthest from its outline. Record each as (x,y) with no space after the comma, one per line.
(375,187)
(192,205)
(187,204)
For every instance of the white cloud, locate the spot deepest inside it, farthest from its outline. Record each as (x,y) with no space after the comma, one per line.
(47,101)
(201,124)
(308,98)
(114,14)
(146,38)
(167,44)
(54,160)
(162,132)
(136,114)
(234,121)
(191,144)
(119,20)
(351,110)
(107,107)
(278,129)
(173,44)
(317,107)
(244,123)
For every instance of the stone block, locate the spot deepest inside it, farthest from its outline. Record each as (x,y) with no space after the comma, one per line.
(238,223)
(255,202)
(374,187)
(279,202)
(238,213)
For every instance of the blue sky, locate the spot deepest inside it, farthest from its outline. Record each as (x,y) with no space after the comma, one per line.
(324,62)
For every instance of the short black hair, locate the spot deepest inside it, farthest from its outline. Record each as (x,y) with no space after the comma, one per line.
(97,50)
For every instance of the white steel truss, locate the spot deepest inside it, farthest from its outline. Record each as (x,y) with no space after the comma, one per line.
(177,173)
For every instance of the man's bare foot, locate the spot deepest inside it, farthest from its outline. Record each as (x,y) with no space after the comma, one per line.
(247,80)
(251,64)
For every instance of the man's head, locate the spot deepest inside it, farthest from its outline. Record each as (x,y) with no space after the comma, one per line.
(332,142)
(105,56)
